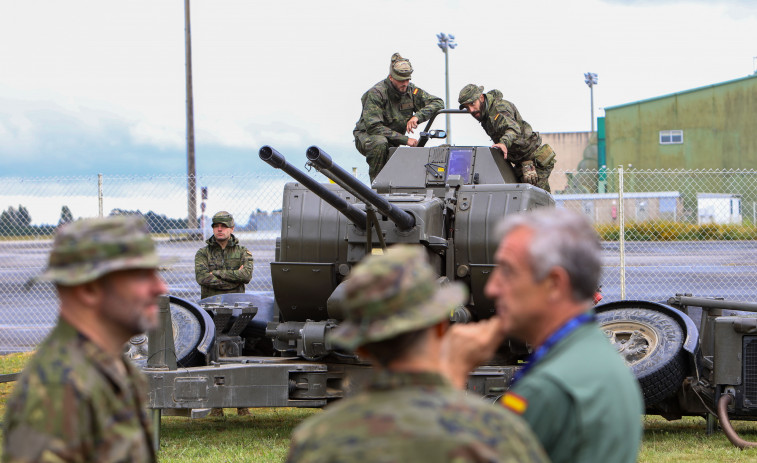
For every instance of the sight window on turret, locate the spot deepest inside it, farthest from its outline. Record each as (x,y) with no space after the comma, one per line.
(460,163)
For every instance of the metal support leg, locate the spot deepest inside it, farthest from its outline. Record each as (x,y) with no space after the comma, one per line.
(156,428)
(711,423)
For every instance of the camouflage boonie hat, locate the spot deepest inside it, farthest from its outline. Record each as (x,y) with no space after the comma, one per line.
(387,295)
(469,94)
(400,69)
(87,249)
(224,218)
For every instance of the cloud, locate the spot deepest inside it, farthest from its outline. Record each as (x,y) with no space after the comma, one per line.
(735,9)
(108,94)
(144,133)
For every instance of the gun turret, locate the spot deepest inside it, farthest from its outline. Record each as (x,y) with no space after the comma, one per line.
(323,162)
(277,160)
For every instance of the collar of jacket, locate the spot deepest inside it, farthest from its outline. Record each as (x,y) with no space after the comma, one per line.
(393,93)
(109,365)
(233,241)
(489,98)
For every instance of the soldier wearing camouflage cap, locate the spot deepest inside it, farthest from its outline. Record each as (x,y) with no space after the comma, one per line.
(392,108)
(223,266)
(79,398)
(512,135)
(396,316)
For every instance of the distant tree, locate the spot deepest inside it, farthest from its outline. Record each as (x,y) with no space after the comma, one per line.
(65,216)
(14,221)
(161,223)
(24,219)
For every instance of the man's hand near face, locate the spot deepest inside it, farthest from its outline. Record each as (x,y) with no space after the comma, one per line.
(467,345)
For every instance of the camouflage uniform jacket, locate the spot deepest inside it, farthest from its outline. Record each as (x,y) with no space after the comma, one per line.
(217,269)
(386,111)
(414,417)
(76,403)
(503,123)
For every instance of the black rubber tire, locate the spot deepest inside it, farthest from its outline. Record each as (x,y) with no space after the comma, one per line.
(661,370)
(193,333)
(187,332)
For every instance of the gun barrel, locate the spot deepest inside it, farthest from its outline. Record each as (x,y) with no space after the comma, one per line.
(321,160)
(277,160)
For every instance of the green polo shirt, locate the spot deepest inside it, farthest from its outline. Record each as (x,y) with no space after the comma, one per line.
(582,401)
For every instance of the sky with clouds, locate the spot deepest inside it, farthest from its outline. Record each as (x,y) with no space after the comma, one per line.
(98,86)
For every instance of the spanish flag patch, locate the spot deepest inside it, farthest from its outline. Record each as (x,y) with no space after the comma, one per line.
(496,117)
(515,403)
(415,92)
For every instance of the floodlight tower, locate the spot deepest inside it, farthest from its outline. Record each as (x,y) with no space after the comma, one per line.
(191,172)
(446,41)
(591,80)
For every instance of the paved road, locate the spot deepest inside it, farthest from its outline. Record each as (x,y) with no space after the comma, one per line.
(654,271)
(28,313)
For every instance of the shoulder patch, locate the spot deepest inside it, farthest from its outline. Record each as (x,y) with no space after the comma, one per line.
(415,92)
(496,117)
(514,402)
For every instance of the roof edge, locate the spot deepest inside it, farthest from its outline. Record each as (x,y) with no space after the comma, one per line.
(696,89)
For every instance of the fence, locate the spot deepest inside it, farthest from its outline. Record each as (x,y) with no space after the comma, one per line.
(664,232)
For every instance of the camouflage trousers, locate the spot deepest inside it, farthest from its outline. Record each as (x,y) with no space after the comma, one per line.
(544,161)
(375,148)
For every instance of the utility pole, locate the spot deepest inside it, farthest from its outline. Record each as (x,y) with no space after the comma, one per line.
(446,41)
(191,173)
(591,80)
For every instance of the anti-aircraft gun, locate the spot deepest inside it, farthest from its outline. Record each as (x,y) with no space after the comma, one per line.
(445,198)
(691,356)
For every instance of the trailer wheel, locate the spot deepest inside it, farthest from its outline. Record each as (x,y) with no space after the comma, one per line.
(187,331)
(651,343)
(192,327)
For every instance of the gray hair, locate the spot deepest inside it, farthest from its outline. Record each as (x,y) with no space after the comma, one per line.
(562,238)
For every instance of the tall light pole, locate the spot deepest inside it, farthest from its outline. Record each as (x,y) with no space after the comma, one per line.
(191,174)
(446,41)
(591,80)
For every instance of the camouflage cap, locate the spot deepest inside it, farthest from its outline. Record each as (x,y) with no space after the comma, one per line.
(387,295)
(223,217)
(400,69)
(87,249)
(469,94)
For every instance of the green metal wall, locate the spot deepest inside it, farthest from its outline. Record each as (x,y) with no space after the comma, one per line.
(719,124)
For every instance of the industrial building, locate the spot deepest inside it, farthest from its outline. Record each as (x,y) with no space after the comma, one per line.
(710,127)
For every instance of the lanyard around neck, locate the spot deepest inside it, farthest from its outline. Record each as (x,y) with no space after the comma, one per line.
(569,327)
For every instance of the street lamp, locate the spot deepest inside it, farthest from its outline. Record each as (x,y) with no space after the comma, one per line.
(446,41)
(591,80)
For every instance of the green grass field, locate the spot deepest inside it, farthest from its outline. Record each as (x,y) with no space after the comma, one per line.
(264,436)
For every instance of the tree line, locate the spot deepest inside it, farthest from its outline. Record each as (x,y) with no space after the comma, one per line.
(17,221)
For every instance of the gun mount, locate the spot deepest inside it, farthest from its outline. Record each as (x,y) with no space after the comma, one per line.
(447,199)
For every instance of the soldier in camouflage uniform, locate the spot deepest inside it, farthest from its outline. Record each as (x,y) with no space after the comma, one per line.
(392,108)
(512,135)
(79,399)
(223,266)
(396,316)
